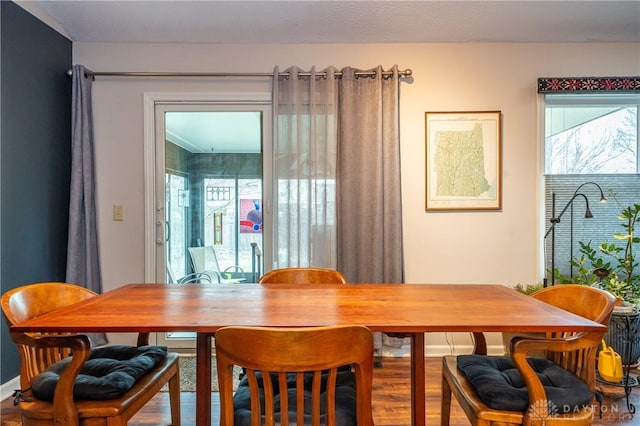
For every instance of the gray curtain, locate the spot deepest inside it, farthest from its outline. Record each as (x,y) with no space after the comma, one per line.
(369,203)
(304,168)
(83,260)
(336,173)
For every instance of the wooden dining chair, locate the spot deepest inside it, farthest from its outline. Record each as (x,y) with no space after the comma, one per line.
(290,368)
(314,276)
(519,390)
(95,386)
(303,276)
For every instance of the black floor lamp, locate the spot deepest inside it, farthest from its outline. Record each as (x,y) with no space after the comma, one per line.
(556,219)
(603,199)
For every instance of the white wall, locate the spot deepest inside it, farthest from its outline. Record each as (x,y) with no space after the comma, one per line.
(443,247)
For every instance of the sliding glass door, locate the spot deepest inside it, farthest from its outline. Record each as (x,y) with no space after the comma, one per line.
(210,226)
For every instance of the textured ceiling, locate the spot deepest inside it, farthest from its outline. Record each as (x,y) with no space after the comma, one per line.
(341,21)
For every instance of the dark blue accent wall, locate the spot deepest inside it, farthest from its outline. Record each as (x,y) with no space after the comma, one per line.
(35,157)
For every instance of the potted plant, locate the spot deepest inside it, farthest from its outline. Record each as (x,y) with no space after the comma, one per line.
(614,267)
(528,288)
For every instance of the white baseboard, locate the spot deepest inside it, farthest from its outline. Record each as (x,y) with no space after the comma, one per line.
(7,389)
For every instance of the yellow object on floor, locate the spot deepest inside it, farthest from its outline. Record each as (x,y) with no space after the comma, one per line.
(609,364)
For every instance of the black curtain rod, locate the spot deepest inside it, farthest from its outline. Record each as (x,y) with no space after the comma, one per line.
(403,74)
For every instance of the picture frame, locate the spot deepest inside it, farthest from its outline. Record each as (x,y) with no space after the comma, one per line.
(463,160)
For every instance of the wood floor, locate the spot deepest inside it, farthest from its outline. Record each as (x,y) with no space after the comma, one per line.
(391,402)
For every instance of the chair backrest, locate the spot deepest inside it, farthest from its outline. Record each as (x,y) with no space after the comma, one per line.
(583,300)
(29,301)
(278,351)
(587,302)
(303,276)
(204,259)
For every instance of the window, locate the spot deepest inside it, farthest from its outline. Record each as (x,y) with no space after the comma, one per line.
(232,219)
(591,134)
(177,204)
(591,143)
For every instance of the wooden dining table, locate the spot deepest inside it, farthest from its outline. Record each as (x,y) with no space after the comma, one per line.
(411,309)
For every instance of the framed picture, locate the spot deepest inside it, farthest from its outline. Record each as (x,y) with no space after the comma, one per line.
(463,160)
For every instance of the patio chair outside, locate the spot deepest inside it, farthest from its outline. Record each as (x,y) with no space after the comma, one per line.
(205,261)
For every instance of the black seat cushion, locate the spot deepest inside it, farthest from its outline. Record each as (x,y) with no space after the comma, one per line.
(109,372)
(345,399)
(500,385)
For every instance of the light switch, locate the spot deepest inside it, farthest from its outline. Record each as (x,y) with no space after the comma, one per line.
(118,212)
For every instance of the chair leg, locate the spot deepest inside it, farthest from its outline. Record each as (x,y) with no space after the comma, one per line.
(174,399)
(445,403)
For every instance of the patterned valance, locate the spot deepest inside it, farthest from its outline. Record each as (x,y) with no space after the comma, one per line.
(588,84)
